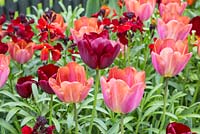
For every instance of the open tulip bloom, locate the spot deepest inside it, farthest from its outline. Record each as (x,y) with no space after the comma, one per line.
(4,69)
(123,89)
(70,84)
(169,57)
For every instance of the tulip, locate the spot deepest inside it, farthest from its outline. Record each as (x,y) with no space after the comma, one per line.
(177,128)
(3,48)
(142,8)
(71,85)
(21,51)
(169,57)
(173,30)
(123,89)
(195,25)
(44,73)
(170,1)
(24,86)
(4,69)
(83,26)
(97,51)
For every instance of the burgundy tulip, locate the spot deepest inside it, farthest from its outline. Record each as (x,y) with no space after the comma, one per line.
(44,73)
(177,128)
(24,86)
(3,48)
(97,51)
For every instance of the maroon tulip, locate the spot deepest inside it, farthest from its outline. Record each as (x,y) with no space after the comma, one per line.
(24,86)
(195,24)
(44,73)
(97,51)
(177,128)
(3,48)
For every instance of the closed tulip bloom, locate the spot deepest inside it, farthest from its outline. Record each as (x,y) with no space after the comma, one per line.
(83,26)
(177,128)
(97,51)
(24,86)
(142,8)
(173,30)
(4,69)
(123,89)
(71,84)
(169,57)
(21,51)
(44,73)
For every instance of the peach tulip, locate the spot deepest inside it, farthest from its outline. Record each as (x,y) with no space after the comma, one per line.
(170,1)
(169,57)
(83,26)
(70,84)
(142,8)
(4,69)
(173,30)
(21,51)
(123,89)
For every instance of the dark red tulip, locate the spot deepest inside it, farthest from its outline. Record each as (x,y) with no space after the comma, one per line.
(195,24)
(44,73)
(24,86)
(97,51)
(177,128)
(3,48)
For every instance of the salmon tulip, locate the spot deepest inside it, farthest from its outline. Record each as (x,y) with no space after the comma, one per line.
(21,51)
(70,84)
(97,51)
(169,57)
(4,69)
(170,1)
(173,30)
(142,8)
(123,89)
(83,26)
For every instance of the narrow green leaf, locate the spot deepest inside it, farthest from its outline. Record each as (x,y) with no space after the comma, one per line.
(114,129)
(92,7)
(11,113)
(56,123)
(7,126)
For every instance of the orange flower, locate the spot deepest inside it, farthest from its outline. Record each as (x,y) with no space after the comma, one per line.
(71,85)
(84,25)
(169,57)
(191,2)
(21,51)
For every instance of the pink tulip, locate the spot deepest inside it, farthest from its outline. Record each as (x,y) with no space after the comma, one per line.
(169,57)
(173,30)
(123,89)
(170,1)
(21,51)
(142,8)
(4,69)
(71,85)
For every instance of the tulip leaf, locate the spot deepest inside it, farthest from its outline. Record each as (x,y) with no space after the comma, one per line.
(92,7)
(35,91)
(56,123)
(11,113)
(101,123)
(7,126)
(26,120)
(9,95)
(114,129)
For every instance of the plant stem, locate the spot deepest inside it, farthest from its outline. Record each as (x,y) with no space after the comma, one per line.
(122,124)
(51,109)
(165,103)
(95,99)
(75,118)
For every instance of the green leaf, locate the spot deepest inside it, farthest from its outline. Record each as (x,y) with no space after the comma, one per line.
(114,129)
(11,113)
(92,7)
(100,123)
(7,126)
(56,123)
(26,120)
(9,95)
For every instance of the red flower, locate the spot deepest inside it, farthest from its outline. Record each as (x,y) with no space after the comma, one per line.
(46,49)
(177,128)
(196,24)
(44,73)
(97,51)
(27,130)
(24,86)
(3,48)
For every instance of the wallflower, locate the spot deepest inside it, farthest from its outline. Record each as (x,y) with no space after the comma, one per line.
(123,89)
(169,57)
(70,84)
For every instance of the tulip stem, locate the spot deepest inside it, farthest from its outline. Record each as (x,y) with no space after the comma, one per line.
(51,109)
(95,100)
(164,104)
(122,124)
(75,118)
